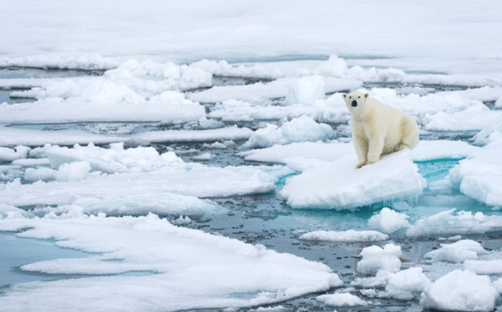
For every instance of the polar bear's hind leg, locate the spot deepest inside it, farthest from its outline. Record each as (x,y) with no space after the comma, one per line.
(409,129)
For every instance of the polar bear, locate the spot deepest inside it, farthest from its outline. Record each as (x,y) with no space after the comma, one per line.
(378,129)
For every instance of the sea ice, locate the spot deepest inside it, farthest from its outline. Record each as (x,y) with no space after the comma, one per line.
(480,176)
(457,252)
(346,236)
(9,155)
(376,258)
(484,266)
(305,91)
(297,130)
(340,185)
(389,220)
(341,300)
(189,268)
(460,291)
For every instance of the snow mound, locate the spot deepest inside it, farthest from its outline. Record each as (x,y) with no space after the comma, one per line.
(114,159)
(305,91)
(188,268)
(447,223)
(484,266)
(457,252)
(480,176)
(376,258)
(389,220)
(9,155)
(460,291)
(341,300)
(346,236)
(340,185)
(299,129)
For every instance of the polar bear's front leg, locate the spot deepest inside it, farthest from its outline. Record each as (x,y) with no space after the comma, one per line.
(375,149)
(361,146)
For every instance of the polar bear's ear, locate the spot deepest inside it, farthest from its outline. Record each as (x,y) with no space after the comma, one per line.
(344,95)
(366,95)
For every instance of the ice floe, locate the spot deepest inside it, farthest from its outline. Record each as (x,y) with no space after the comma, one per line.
(345,236)
(300,129)
(460,291)
(179,277)
(339,185)
(376,258)
(389,220)
(457,252)
(341,300)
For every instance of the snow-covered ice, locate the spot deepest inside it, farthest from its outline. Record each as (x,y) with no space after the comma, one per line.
(376,258)
(457,252)
(189,268)
(346,236)
(388,220)
(340,185)
(460,291)
(341,300)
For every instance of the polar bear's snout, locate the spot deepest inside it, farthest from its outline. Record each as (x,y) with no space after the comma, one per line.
(354,103)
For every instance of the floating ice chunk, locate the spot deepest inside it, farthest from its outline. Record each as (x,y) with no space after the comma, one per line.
(428,150)
(8,155)
(490,134)
(31,162)
(480,176)
(484,266)
(376,258)
(229,133)
(11,212)
(84,62)
(498,285)
(404,285)
(74,171)
(340,185)
(299,129)
(182,220)
(457,252)
(307,150)
(203,157)
(472,118)
(346,236)
(335,66)
(460,291)
(190,268)
(305,91)
(44,174)
(380,280)
(13,136)
(205,123)
(498,103)
(114,159)
(447,223)
(185,179)
(267,309)
(341,300)
(389,220)
(222,68)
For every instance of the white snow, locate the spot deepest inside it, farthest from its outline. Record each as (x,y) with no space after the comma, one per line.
(189,268)
(376,258)
(9,155)
(345,236)
(457,252)
(447,223)
(228,133)
(305,91)
(203,157)
(388,220)
(460,291)
(425,150)
(404,285)
(484,266)
(340,185)
(341,300)
(480,176)
(297,130)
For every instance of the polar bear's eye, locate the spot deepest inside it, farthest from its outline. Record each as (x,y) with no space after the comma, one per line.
(359,97)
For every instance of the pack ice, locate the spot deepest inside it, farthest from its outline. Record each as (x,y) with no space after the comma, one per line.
(184,268)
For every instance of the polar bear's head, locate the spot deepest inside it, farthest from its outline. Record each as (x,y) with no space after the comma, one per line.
(355,101)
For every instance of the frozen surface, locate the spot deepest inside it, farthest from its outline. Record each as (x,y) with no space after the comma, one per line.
(480,176)
(388,220)
(347,236)
(425,150)
(214,280)
(376,258)
(457,252)
(460,291)
(342,300)
(339,184)
(300,129)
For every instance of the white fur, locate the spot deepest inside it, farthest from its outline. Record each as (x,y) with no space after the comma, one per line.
(378,129)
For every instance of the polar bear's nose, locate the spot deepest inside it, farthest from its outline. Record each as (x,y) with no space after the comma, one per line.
(354,103)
